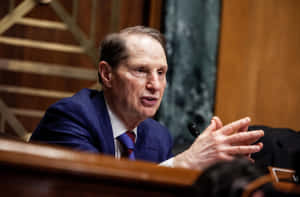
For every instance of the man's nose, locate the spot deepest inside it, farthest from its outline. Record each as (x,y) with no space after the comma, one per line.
(153,83)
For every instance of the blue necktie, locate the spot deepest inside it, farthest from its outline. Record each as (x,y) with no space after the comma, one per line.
(127,139)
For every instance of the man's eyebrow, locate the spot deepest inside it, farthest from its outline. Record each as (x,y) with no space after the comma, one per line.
(145,64)
(164,66)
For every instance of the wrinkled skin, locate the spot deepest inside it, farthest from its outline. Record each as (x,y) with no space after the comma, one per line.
(135,88)
(219,142)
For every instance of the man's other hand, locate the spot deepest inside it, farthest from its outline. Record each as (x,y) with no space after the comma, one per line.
(218,142)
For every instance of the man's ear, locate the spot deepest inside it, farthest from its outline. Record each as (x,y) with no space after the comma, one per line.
(105,72)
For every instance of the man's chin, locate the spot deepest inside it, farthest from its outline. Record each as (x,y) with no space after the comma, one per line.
(149,113)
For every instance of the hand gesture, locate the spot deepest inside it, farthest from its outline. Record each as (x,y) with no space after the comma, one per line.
(218,142)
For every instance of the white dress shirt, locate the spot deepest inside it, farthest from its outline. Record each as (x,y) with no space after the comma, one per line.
(118,129)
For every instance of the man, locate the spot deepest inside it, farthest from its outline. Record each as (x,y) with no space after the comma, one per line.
(132,70)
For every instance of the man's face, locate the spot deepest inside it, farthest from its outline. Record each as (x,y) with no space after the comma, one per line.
(138,83)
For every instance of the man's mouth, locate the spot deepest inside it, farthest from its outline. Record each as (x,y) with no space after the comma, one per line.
(149,101)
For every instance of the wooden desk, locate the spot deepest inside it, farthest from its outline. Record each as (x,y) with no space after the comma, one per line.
(39,170)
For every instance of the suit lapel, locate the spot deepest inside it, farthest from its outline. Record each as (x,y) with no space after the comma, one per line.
(105,125)
(146,147)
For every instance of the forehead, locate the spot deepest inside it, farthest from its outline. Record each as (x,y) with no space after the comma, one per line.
(144,47)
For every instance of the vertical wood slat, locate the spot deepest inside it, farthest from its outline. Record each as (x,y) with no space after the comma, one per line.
(93,20)
(115,15)
(259,71)
(11,5)
(75,10)
(155,14)
(2,123)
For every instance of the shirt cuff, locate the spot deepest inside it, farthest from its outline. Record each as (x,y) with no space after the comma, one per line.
(167,163)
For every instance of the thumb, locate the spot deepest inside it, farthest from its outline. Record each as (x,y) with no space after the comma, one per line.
(212,127)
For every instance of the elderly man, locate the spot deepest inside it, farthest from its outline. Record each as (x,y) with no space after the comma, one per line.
(117,120)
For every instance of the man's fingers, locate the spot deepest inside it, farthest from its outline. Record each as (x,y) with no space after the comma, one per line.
(243,129)
(244,138)
(226,157)
(211,127)
(235,126)
(234,150)
(218,121)
(251,160)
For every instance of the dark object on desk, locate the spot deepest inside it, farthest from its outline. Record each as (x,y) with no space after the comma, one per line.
(240,178)
(226,179)
(280,146)
(296,166)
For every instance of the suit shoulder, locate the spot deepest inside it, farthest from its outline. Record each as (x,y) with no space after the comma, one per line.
(72,116)
(85,106)
(81,97)
(154,126)
(81,100)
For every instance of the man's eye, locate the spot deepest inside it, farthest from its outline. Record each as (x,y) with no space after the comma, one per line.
(161,72)
(140,69)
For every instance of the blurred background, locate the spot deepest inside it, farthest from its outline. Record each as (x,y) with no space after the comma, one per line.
(229,58)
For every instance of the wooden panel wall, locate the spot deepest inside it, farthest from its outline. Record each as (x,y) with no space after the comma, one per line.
(259,67)
(28,105)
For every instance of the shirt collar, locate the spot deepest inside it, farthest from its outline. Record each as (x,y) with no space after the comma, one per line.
(118,127)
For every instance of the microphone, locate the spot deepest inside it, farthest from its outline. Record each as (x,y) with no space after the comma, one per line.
(194,129)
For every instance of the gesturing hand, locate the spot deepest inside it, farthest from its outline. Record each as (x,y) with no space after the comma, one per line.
(219,142)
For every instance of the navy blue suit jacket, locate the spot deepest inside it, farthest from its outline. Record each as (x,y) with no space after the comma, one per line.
(82,122)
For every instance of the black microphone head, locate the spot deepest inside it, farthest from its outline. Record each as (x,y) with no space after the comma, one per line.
(193,128)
